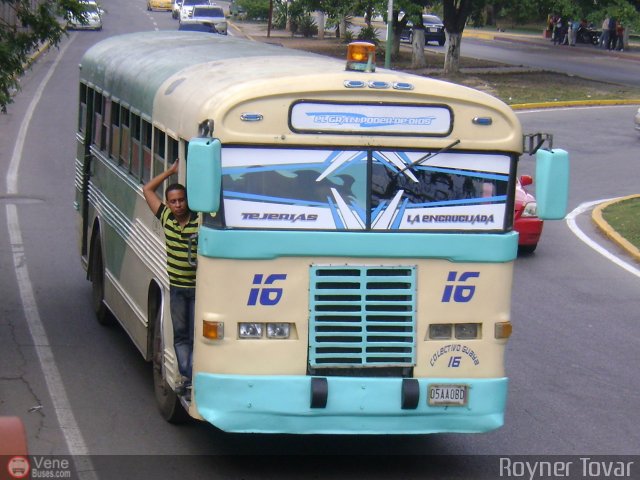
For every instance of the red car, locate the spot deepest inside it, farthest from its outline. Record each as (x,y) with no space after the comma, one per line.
(526,221)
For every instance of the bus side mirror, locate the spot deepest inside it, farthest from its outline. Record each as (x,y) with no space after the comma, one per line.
(204,174)
(552,183)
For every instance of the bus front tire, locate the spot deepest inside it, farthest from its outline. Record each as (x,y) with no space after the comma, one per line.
(168,402)
(103,315)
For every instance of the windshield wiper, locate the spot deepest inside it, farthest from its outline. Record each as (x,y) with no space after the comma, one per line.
(428,156)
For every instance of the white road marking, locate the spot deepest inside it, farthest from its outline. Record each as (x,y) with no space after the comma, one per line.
(64,414)
(571,222)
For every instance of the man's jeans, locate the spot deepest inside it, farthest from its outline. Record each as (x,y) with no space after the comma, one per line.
(182,313)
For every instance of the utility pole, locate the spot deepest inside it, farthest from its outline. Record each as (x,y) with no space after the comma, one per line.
(387,52)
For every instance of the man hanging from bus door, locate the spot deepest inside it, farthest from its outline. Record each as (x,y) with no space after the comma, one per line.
(180,226)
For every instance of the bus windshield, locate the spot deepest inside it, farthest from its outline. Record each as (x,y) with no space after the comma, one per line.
(364,189)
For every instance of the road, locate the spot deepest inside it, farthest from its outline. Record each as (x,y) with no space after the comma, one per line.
(572,360)
(582,60)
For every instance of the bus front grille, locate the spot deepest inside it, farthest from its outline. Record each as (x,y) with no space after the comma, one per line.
(362,316)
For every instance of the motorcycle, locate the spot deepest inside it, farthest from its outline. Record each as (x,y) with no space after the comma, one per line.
(587,34)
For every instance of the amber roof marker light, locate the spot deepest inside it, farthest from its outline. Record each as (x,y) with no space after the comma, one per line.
(361,57)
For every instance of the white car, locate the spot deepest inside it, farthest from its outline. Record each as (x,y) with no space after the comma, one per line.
(637,120)
(186,8)
(175,9)
(93,17)
(210,14)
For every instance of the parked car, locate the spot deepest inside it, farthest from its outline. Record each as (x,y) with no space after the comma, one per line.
(237,11)
(208,14)
(526,220)
(637,120)
(186,7)
(93,17)
(159,5)
(175,9)
(433,30)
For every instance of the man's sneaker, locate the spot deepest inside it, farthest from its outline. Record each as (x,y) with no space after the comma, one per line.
(184,388)
(181,390)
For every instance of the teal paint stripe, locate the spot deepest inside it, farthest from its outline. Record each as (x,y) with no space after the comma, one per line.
(263,245)
(236,403)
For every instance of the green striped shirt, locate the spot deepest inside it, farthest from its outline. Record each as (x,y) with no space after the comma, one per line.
(181,273)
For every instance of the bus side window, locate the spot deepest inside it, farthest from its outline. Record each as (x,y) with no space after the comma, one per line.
(98,105)
(173,152)
(106,123)
(136,147)
(146,151)
(183,171)
(159,145)
(82,111)
(125,142)
(114,148)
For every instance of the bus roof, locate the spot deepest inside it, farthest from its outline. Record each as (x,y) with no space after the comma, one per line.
(132,67)
(180,79)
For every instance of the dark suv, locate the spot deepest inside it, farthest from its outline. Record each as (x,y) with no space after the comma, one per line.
(433,30)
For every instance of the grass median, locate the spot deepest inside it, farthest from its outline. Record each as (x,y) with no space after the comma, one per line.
(623,218)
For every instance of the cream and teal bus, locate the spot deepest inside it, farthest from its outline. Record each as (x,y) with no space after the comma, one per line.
(356,245)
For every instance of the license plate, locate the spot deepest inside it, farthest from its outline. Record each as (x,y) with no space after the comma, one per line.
(432,29)
(447,394)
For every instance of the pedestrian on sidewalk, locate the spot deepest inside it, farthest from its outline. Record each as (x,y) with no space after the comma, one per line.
(612,33)
(619,36)
(604,36)
(574,25)
(558,30)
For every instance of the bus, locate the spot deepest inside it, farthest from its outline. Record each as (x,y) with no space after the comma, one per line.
(356,245)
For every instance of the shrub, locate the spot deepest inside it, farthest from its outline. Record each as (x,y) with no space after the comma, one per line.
(369,34)
(348,36)
(307,27)
(255,9)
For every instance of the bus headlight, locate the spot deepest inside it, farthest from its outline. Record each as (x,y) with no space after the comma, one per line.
(461,331)
(440,331)
(466,331)
(250,330)
(278,330)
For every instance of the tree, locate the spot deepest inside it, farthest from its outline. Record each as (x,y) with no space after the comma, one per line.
(413,13)
(455,16)
(23,27)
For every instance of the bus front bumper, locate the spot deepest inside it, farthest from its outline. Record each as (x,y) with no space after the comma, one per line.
(282,404)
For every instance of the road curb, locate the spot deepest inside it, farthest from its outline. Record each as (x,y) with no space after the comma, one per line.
(574,103)
(604,226)
(36,54)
